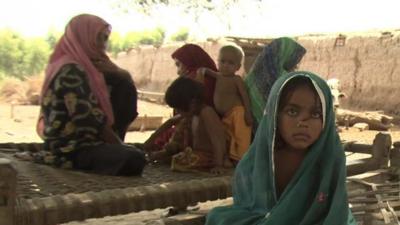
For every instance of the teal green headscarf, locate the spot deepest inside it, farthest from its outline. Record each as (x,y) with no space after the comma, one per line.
(276,59)
(317,192)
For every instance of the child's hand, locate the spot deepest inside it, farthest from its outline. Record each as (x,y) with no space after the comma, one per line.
(248,119)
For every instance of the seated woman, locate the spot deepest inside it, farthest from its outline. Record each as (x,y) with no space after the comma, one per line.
(188,59)
(200,142)
(295,170)
(277,58)
(81,123)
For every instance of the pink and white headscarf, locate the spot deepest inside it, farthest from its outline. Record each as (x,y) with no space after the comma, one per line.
(79,45)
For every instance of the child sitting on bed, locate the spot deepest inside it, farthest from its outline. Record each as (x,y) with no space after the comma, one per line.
(295,170)
(200,143)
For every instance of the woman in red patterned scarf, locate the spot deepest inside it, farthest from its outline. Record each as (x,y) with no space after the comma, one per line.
(191,57)
(87,103)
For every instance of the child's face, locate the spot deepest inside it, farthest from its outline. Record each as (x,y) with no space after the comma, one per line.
(182,70)
(300,120)
(228,63)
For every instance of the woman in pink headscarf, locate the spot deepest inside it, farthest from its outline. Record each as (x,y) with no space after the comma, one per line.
(87,103)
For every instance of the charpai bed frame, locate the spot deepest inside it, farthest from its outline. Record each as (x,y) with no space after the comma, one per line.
(42,195)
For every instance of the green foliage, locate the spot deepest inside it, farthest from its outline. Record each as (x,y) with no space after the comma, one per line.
(115,43)
(2,76)
(21,57)
(52,37)
(9,51)
(152,37)
(146,37)
(118,43)
(35,58)
(181,35)
(130,40)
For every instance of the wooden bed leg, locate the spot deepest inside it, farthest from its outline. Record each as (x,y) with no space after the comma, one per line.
(380,156)
(8,186)
(381,149)
(395,155)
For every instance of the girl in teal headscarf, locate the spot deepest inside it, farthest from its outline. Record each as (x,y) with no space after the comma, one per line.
(295,170)
(277,58)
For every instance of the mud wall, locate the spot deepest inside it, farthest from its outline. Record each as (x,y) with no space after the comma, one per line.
(153,68)
(368,66)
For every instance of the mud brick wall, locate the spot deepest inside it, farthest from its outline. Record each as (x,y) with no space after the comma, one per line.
(153,68)
(368,68)
(367,64)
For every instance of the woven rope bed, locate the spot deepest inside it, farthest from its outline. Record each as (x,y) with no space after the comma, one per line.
(36,181)
(47,195)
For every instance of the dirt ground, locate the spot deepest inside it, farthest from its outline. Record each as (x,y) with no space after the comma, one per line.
(17,124)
